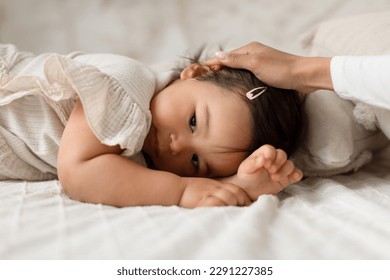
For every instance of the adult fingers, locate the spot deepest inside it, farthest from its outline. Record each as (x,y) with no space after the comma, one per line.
(245,57)
(232,60)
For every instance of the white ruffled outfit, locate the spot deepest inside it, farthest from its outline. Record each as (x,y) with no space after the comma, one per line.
(37,95)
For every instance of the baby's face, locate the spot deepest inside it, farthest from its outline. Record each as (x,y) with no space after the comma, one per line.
(198,129)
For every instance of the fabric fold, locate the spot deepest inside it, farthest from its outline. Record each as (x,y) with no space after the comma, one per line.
(110,109)
(115,92)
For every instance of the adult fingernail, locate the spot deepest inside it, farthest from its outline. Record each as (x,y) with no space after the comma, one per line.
(220,55)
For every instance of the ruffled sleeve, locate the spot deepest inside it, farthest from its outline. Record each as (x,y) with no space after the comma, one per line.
(115,92)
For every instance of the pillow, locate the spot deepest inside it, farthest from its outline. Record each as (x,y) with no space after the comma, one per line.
(336,142)
(366,34)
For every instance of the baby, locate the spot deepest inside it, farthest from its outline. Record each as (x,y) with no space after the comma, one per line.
(218,138)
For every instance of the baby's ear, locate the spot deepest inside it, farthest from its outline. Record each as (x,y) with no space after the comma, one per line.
(194,70)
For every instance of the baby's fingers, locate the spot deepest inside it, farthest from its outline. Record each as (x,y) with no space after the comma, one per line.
(251,164)
(279,161)
(287,176)
(211,201)
(262,157)
(231,195)
(241,196)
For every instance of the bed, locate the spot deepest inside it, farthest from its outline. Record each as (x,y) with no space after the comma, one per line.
(343,216)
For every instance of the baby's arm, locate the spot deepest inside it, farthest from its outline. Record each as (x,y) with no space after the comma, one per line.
(93,172)
(265,171)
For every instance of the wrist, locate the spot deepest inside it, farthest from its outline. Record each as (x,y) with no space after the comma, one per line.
(185,199)
(312,73)
(183,185)
(231,179)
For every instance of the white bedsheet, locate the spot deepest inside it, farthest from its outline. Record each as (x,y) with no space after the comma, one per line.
(344,217)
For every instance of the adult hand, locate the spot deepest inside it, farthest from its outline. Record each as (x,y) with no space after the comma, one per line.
(277,68)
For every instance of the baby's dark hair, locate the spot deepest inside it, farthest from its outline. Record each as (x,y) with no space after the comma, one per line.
(278,114)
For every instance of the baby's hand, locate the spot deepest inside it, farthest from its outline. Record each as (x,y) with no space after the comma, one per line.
(266,171)
(200,192)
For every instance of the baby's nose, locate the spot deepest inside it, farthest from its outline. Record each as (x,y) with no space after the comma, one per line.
(177,144)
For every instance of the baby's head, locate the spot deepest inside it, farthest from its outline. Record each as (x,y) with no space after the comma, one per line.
(277,114)
(203,124)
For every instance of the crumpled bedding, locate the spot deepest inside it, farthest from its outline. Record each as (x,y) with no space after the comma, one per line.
(342,217)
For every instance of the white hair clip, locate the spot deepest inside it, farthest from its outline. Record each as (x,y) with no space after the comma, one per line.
(252,94)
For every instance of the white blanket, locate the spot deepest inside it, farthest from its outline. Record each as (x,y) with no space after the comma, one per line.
(344,217)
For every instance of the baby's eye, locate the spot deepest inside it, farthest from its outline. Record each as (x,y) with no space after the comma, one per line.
(195,161)
(193,123)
